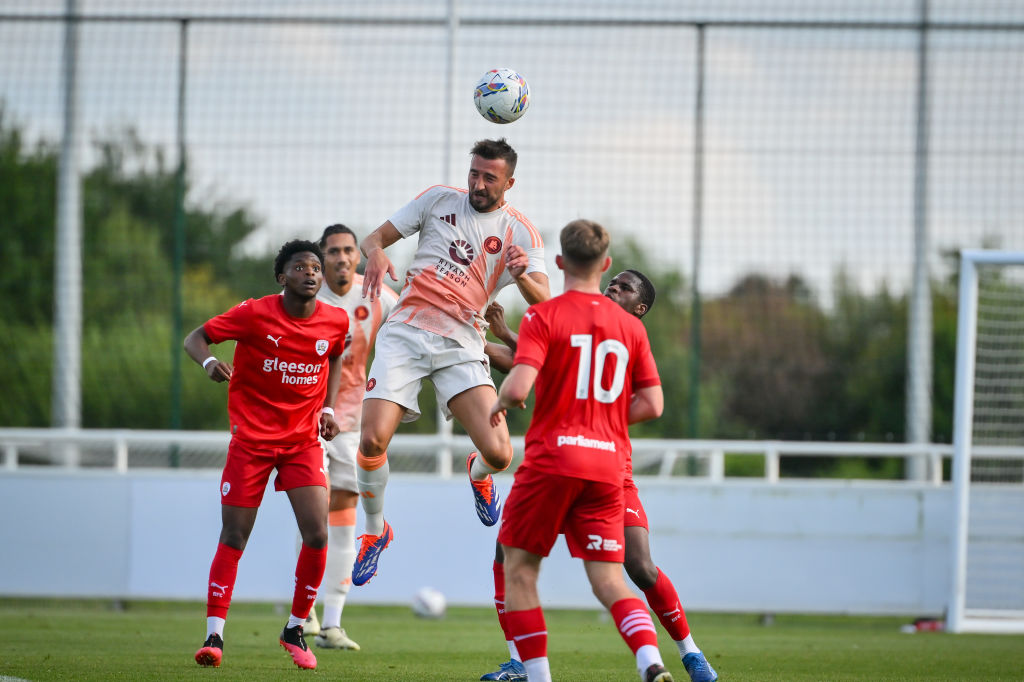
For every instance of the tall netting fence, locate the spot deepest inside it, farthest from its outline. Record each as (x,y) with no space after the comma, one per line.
(767,163)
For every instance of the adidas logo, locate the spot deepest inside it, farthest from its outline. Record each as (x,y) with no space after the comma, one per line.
(450,219)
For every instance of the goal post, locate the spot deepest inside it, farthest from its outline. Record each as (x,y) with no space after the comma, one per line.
(987,577)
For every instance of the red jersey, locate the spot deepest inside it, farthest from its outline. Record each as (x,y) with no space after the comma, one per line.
(280,368)
(591,356)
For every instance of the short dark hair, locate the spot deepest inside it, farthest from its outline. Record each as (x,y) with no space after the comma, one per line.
(584,242)
(647,292)
(293,247)
(496,149)
(336,228)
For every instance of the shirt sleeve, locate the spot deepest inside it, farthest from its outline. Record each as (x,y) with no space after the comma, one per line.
(533,340)
(409,219)
(645,370)
(231,325)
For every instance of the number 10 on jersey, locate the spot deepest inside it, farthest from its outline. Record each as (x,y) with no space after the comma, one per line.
(594,358)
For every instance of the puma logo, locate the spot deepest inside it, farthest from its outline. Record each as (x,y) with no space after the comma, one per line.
(528,315)
(633,511)
(274,340)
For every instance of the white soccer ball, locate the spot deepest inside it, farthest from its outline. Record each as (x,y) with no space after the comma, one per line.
(501,96)
(429,603)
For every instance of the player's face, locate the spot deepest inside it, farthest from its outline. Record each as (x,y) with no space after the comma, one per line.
(302,275)
(341,256)
(624,289)
(488,181)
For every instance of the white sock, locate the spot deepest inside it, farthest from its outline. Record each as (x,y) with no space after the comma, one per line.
(646,656)
(687,646)
(479,469)
(341,556)
(373,482)
(537,669)
(294,620)
(513,652)
(215,626)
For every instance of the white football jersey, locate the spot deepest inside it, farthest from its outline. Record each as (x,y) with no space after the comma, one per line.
(364,319)
(459,266)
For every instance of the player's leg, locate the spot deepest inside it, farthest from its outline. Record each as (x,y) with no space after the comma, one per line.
(380,420)
(471,408)
(243,482)
(631,617)
(594,533)
(523,613)
(512,669)
(236,525)
(340,457)
(658,589)
(309,503)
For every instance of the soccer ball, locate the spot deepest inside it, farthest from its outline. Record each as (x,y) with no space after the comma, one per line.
(501,96)
(428,603)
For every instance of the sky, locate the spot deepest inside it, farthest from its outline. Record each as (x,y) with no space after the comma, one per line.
(809,135)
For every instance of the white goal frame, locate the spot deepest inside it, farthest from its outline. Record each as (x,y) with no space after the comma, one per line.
(958,617)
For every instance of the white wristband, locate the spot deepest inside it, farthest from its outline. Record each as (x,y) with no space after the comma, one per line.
(207,361)
(327,410)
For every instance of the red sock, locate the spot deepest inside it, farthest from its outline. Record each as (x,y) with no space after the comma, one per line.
(528,631)
(499,598)
(634,623)
(665,603)
(222,580)
(309,572)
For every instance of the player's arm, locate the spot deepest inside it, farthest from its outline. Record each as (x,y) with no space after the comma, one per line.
(514,391)
(499,356)
(647,403)
(377,262)
(197,345)
(328,426)
(533,285)
(495,316)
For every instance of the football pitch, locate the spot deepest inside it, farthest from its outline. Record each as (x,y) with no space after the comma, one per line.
(99,640)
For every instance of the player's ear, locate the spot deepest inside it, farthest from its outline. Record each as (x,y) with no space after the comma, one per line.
(640,310)
(607,264)
(509,183)
(281,280)
(559,262)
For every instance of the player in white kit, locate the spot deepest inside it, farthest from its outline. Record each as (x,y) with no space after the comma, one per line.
(471,245)
(344,290)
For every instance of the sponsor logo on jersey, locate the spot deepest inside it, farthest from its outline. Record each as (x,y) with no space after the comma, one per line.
(225,488)
(362,312)
(492,245)
(584,442)
(370,384)
(603,544)
(295,372)
(275,340)
(450,219)
(462,252)
(321,346)
(635,512)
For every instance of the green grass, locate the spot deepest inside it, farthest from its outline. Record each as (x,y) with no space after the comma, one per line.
(93,640)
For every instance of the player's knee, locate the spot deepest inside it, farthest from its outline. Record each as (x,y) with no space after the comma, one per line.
(641,570)
(498,456)
(315,538)
(372,445)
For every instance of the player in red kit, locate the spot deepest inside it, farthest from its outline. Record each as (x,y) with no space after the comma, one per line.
(286,371)
(595,375)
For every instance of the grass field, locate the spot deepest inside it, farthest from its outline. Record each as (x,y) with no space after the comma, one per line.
(93,640)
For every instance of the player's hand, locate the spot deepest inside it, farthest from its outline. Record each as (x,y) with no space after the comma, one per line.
(495,316)
(219,371)
(497,414)
(516,261)
(377,264)
(328,427)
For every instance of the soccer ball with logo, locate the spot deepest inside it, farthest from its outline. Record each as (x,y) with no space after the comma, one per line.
(429,602)
(501,96)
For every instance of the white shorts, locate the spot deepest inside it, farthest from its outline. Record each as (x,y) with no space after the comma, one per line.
(405,355)
(340,460)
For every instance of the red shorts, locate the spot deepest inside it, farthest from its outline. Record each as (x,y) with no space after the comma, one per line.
(634,511)
(247,470)
(542,505)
